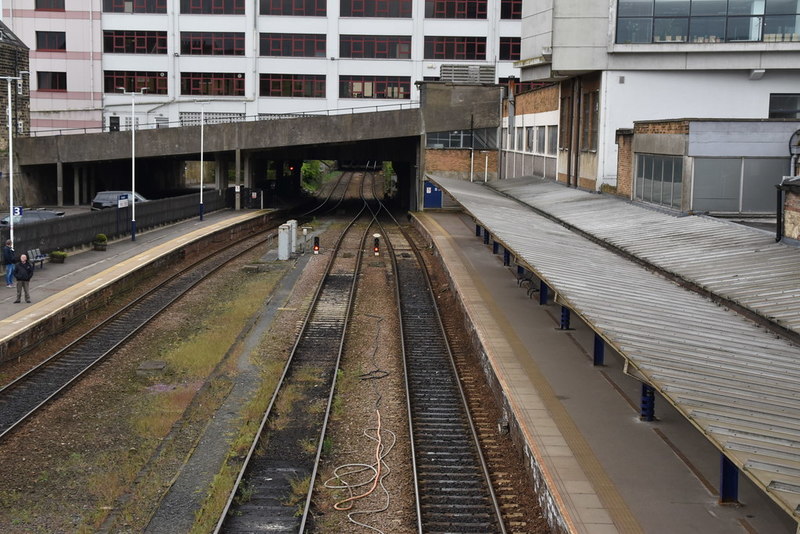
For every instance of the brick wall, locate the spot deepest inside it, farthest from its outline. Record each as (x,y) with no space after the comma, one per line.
(791,215)
(455,163)
(538,100)
(624,163)
(661,127)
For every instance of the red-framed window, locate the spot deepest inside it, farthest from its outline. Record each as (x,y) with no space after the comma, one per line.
(374,87)
(212,83)
(509,48)
(51,81)
(49,5)
(154,83)
(375,46)
(376,8)
(135,6)
(510,9)
(521,87)
(212,7)
(455,48)
(292,85)
(212,43)
(51,41)
(302,8)
(292,44)
(134,42)
(455,9)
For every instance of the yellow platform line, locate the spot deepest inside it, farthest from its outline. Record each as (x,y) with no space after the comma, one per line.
(42,310)
(586,496)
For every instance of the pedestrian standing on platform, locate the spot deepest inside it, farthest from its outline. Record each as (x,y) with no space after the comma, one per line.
(9,259)
(23,271)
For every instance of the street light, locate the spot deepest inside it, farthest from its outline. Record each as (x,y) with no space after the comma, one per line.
(11,154)
(133,156)
(202,167)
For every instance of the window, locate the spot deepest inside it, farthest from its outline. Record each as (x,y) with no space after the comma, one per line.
(510,9)
(529,139)
(212,43)
(784,106)
(541,139)
(212,7)
(154,83)
(51,81)
(374,87)
(134,42)
(589,118)
(302,8)
(659,179)
(707,21)
(51,41)
(509,48)
(455,9)
(552,140)
(374,46)
(293,44)
(292,85)
(565,120)
(212,83)
(479,139)
(49,5)
(376,8)
(519,87)
(519,143)
(135,6)
(455,48)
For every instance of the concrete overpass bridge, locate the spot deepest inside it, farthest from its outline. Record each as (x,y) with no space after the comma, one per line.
(68,169)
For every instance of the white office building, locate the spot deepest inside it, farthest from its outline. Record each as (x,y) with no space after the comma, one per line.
(250,59)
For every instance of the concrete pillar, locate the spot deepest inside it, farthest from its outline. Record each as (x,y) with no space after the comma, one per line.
(76,185)
(87,175)
(284,241)
(248,170)
(59,183)
(219,168)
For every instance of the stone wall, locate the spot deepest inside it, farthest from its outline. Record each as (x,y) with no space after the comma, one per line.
(791,215)
(624,163)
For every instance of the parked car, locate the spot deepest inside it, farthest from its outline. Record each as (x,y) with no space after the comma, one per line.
(109,199)
(31,216)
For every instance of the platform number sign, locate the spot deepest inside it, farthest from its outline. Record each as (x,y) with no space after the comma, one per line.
(17,211)
(122,201)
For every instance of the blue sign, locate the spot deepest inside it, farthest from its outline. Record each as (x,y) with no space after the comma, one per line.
(17,210)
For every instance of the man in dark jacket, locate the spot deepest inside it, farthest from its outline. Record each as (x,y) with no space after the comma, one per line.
(23,272)
(9,259)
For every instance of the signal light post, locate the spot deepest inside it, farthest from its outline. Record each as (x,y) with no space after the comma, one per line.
(376,246)
(316,245)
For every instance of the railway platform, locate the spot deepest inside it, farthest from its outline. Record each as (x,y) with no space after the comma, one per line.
(56,288)
(605,469)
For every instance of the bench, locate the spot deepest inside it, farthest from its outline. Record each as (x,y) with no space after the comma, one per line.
(36,256)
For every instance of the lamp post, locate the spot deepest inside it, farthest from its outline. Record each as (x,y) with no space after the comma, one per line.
(202,141)
(9,114)
(133,155)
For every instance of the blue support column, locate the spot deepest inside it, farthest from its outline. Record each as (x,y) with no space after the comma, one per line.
(648,405)
(542,293)
(599,350)
(485,236)
(564,319)
(495,247)
(520,270)
(477,230)
(728,481)
(507,258)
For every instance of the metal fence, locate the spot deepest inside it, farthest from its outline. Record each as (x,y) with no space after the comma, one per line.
(79,230)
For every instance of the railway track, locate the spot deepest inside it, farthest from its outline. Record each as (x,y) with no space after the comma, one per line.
(30,391)
(275,484)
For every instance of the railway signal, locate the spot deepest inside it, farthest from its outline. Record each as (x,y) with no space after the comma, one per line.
(376,246)
(316,244)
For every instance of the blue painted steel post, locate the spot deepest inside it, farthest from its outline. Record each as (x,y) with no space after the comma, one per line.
(564,318)
(542,293)
(599,350)
(648,405)
(506,257)
(520,270)
(495,247)
(728,481)
(477,230)
(485,236)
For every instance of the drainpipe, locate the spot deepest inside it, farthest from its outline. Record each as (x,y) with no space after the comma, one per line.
(779,212)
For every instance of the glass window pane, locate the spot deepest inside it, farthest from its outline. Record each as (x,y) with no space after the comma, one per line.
(706,29)
(672,8)
(744,29)
(745,7)
(670,30)
(783,7)
(552,140)
(635,8)
(784,106)
(634,31)
(782,28)
(709,7)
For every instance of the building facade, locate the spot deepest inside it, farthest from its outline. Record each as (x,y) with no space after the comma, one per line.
(234,59)
(636,60)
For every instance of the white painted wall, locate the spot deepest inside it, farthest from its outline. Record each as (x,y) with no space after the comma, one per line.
(651,95)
